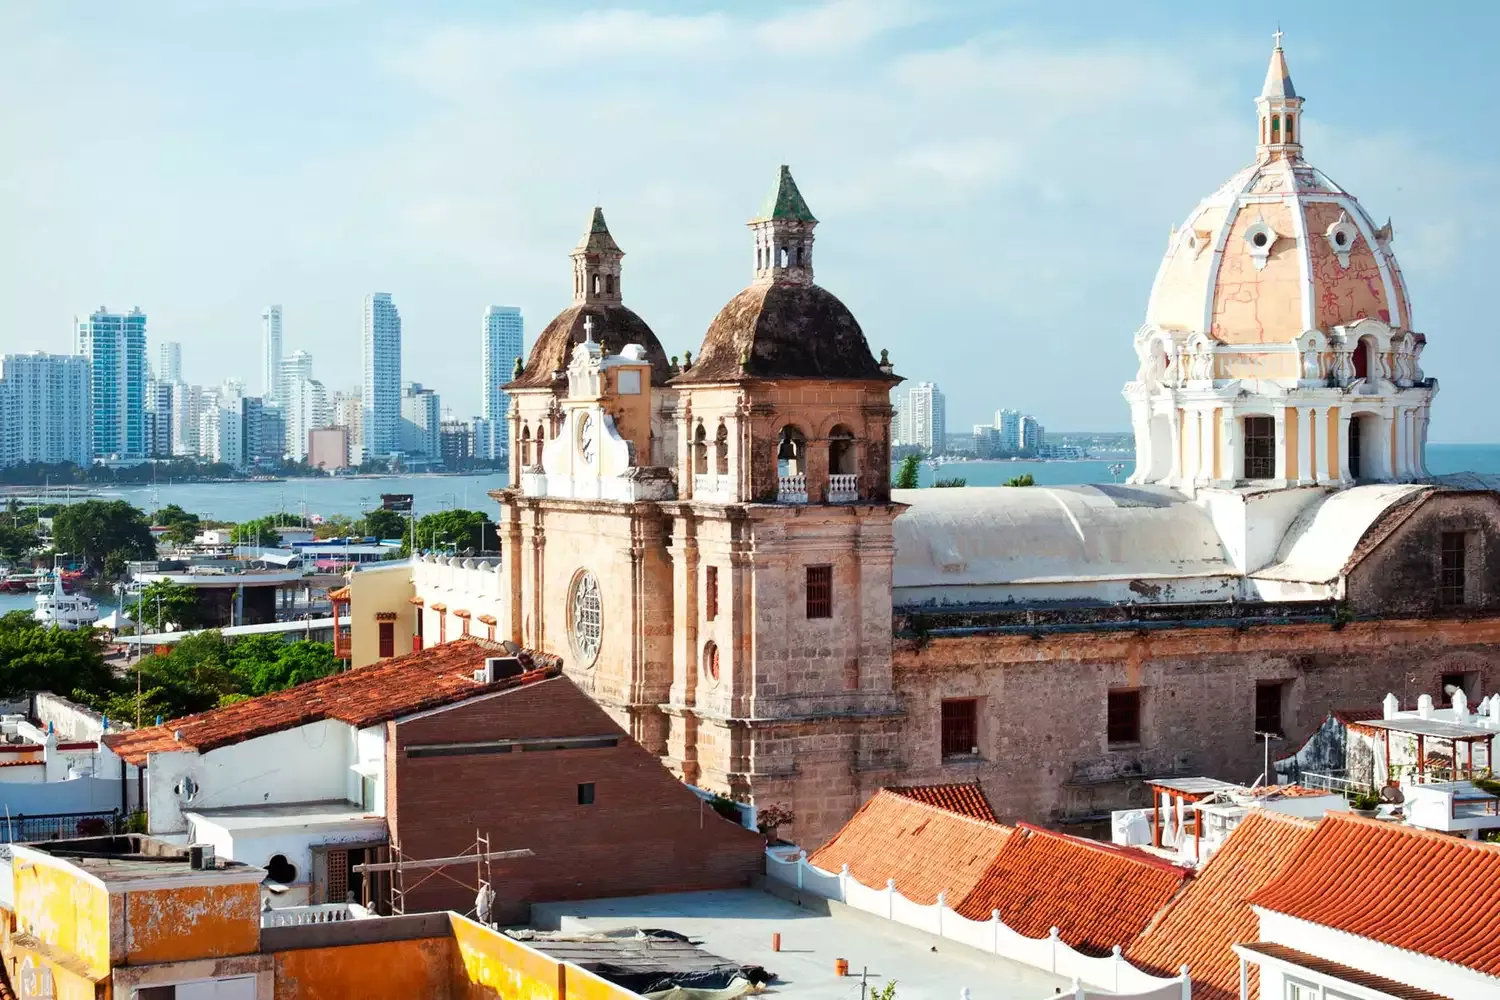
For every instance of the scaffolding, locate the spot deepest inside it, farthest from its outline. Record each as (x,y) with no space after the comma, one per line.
(478,853)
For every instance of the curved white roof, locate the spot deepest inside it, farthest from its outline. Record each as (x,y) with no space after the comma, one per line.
(1322,539)
(983,536)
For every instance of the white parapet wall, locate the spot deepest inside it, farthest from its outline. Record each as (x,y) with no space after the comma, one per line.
(1113,974)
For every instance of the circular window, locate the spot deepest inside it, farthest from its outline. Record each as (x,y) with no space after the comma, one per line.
(711,661)
(585,618)
(1341,238)
(279,869)
(1259,239)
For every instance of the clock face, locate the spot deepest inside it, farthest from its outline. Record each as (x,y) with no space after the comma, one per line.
(586,438)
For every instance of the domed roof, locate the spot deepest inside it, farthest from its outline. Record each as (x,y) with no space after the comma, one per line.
(783,330)
(614,327)
(1279,249)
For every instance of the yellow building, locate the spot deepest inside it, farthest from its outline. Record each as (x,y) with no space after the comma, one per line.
(135,918)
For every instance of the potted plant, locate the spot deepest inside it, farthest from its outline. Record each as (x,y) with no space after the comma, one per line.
(1365,803)
(771,817)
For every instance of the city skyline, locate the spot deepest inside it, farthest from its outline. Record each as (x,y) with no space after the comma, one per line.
(400,172)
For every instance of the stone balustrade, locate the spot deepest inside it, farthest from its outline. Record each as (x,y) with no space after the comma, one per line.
(843,488)
(791,489)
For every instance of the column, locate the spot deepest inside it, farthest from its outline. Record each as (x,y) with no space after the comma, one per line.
(1205,424)
(1344,444)
(1234,466)
(1280,418)
(1317,423)
(1175,478)
(1388,449)
(1305,434)
(1403,438)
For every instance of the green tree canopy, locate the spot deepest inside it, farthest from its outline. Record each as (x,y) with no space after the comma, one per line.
(908,476)
(385,524)
(34,657)
(165,602)
(463,530)
(105,534)
(182,526)
(262,530)
(1024,479)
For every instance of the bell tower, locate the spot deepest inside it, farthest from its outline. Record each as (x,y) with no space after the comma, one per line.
(1280,111)
(784,235)
(596,264)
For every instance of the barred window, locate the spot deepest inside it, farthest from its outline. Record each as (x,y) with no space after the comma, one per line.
(1451,569)
(387,639)
(960,727)
(820,591)
(1260,448)
(1123,722)
(1268,699)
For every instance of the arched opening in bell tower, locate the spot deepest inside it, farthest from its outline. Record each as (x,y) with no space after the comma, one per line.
(791,452)
(700,451)
(721,451)
(1364,447)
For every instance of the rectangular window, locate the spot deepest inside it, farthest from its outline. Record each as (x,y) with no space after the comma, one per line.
(820,591)
(1268,697)
(1451,569)
(960,727)
(586,793)
(711,593)
(416,640)
(1260,448)
(387,639)
(1123,724)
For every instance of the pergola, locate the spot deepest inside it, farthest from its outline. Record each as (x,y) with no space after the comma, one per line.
(1454,733)
(1186,791)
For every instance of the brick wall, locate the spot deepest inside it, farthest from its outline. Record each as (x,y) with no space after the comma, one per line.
(644,833)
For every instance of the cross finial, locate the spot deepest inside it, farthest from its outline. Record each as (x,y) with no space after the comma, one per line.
(1278,35)
(588,329)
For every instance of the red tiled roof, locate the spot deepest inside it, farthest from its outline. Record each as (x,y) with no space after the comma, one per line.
(339,594)
(1198,927)
(1334,970)
(1288,792)
(1097,895)
(966,799)
(925,848)
(432,677)
(1405,887)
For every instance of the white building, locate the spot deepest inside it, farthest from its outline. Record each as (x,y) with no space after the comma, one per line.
(159,419)
(1033,434)
(1008,429)
(270,339)
(380,430)
(306,408)
(169,361)
(115,344)
(46,409)
(186,408)
(925,419)
(502,330)
(348,412)
(421,421)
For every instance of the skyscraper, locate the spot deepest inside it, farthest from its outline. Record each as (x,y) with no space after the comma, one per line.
(926,419)
(270,336)
(293,368)
(306,409)
(46,409)
(421,421)
(115,345)
(502,331)
(169,361)
(381,398)
(159,420)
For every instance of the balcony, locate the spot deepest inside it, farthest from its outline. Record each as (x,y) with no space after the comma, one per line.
(791,489)
(843,489)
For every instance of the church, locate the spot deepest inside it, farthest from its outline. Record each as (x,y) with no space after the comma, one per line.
(714,550)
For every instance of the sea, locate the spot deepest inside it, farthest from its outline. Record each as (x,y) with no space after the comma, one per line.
(351,496)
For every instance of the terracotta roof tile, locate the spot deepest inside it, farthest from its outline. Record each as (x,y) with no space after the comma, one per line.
(1097,895)
(1405,887)
(435,676)
(925,848)
(1335,970)
(1211,914)
(339,593)
(966,799)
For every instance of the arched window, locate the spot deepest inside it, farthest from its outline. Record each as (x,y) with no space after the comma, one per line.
(760,258)
(841,452)
(1365,453)
(1356,470)
(711,661)
(1275,128)
(700,451)
(721,451)
(609,284)
(596,284)
(782,258)
(525,447)
(1365,352)
(800,250)
(1289,134)
(1260,447)
(791,452)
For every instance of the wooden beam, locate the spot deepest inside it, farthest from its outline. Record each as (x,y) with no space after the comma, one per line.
(459,859)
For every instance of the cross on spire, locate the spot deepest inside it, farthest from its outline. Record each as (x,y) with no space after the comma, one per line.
(588,329)
(1277,35)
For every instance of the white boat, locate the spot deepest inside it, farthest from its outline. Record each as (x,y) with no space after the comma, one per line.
(56,607)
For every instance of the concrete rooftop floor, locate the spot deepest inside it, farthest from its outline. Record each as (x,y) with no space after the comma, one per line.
(738,924)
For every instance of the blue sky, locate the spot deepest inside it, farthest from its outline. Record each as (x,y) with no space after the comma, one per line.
(995,181)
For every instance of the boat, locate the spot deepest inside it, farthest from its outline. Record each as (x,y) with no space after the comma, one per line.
(60,609)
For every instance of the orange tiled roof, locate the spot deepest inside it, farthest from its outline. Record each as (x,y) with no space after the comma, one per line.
(1097,895)
(1358,875)
(1293,791)
(966,799)
(925,848)
(432,677)
(339,594)
(1211,914)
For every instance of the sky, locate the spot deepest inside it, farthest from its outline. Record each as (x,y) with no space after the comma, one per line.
(995,181)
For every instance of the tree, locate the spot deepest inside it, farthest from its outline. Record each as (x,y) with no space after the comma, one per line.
(106,534)
(262,530)
(34,657)
(337,526)
(384,524)
(469,530)
(16,540)
(182,526)
(165,602)
(908,477)
(1024,479)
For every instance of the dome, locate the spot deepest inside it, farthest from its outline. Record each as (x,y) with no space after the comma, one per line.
(777,331)
(615,327)
(1280,249)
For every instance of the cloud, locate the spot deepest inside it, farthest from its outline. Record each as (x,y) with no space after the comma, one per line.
(832,27)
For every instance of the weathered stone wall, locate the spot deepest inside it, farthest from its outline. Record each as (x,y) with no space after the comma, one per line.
(1042,700)
(1399,575)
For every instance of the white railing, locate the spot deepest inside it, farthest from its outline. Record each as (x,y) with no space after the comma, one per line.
(1049,953)
(842,489)
(318,913)
(791,489)
(1335,783)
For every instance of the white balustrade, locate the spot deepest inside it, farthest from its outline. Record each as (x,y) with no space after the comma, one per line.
(843,489)
(791,489)
(318,913)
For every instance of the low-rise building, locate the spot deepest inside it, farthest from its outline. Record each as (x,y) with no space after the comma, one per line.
(328,448)
(419,758)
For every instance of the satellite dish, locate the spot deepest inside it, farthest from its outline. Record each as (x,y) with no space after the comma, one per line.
(1392,794)
(511,648)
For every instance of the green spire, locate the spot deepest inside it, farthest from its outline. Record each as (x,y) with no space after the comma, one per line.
(786,201)
(597,239)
